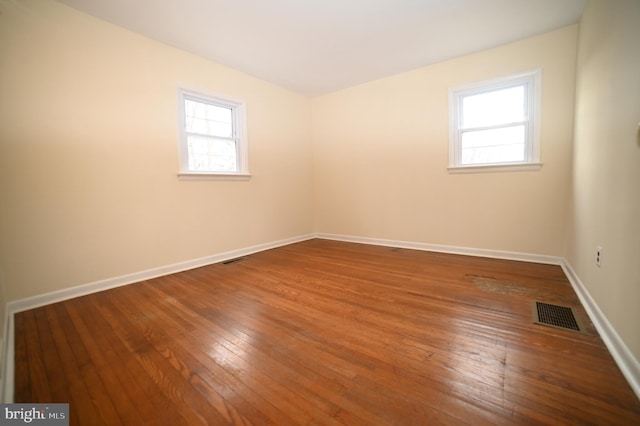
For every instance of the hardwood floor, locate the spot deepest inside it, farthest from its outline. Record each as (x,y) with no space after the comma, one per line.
(324,332)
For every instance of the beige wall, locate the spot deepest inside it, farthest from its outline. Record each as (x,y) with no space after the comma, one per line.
(605,208)
(381,157)
(89,155)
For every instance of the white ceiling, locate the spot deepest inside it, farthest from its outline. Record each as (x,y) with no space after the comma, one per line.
(318,46)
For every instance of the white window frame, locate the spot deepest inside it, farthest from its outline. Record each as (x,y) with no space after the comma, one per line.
(532,82)
(239,135)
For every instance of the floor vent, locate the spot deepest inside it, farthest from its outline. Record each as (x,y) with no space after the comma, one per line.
(237,259)
(555,316)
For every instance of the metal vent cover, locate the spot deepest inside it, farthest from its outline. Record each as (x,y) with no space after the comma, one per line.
(237,259)
(562,317)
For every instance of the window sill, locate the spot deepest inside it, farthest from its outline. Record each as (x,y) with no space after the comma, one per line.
(213,176)
(496,168)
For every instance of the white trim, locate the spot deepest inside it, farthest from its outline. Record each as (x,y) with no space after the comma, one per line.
(212,176)
(239,112)
(494,254)
(82,290)
(8,361)
(532,80)
(490,168)
(96,286)
(624,358)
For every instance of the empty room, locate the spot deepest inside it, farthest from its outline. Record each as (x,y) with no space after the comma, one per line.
(367,212)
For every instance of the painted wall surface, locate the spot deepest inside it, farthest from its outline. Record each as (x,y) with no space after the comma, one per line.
(381,155)
(89,155)
(605,207)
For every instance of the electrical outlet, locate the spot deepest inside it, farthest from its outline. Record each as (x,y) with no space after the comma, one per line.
(598,256)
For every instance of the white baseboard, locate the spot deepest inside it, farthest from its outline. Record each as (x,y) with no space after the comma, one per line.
(628,364)
(494,254)
(624,358)
(81,290)
(8,361)
(69,293)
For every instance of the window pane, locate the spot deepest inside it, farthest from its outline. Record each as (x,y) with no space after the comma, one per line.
(494,108)
(502,145)
(207,119)
(211,155)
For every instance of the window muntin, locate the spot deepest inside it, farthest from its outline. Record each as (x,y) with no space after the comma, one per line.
(208,119)
(495,123)
(493,146)
(213,140)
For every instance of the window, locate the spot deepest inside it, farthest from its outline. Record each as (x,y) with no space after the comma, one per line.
(494,125)
(213,142)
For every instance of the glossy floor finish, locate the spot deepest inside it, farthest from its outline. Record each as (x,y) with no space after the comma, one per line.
(324,332)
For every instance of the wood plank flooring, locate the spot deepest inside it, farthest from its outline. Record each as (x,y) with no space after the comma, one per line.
(324,332)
